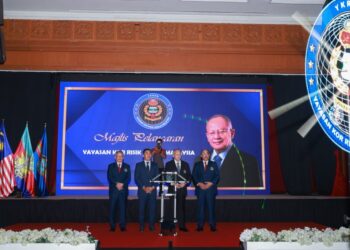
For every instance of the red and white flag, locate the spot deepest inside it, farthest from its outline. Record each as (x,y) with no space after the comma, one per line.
(7,171)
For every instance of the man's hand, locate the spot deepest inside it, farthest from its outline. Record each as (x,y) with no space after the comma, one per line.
(202,186)
(148,189)
(208,184)
(180,185)
(120,186)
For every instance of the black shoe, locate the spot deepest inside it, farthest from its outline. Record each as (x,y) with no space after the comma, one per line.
(151,228)
(123,229)
(199,229)
(213,228)
(112,229)
(183,229)
(141,229)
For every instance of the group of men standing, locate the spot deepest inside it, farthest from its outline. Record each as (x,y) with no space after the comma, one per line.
(234,168)
(205,177)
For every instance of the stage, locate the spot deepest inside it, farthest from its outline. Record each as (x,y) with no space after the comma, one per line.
(226,236)
(323,210)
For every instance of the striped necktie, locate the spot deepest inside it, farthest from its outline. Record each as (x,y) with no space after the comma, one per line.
(218,160)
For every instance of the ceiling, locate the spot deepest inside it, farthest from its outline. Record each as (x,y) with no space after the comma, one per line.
(204,11)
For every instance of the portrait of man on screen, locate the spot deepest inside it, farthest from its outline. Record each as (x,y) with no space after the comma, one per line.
(237,168)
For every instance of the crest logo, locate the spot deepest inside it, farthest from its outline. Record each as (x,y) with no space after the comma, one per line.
(153,111)
(327,71)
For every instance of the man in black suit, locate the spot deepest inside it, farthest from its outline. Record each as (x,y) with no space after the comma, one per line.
(237,168)
(182,167)
(145,171)
(205,176)
(118,178)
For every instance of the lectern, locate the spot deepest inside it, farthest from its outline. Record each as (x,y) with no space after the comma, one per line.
(167,226)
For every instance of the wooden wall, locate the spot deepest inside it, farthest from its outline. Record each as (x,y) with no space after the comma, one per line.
(153,47)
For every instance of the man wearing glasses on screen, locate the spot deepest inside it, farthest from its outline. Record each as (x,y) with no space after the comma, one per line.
(237,168)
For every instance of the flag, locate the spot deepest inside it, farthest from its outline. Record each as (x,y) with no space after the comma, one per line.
(7,171)
(24,168)
(40,165)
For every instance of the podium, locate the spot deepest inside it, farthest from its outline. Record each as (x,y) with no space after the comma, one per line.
(168,227)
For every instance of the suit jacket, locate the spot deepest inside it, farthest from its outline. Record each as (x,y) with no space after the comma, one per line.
(143,176)
(210,175)
(232,174)
(185,172)
(114,176)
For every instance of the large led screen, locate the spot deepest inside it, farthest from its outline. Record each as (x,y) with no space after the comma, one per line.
(98,118)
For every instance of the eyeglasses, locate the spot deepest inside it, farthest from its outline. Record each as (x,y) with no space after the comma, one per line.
(219,132)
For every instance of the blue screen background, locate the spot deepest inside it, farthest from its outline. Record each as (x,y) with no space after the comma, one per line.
(92,113)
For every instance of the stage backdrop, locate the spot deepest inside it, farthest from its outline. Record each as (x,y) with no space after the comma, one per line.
(98,118)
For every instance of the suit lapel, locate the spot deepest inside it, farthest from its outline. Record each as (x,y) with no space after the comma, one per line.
(183,166)
(122,168)
(231,170)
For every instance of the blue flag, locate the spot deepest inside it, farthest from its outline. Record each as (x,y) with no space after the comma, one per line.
(40,165)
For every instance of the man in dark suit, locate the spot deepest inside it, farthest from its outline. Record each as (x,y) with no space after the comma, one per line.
(145,171)
(118,175)
(182,167)
(237,168)
(205,176)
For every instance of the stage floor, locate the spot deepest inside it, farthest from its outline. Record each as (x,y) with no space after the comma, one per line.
(324,210)
(227,235)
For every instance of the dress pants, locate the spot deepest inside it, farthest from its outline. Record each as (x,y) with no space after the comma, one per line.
(117,198)
(206,198)
(150,201)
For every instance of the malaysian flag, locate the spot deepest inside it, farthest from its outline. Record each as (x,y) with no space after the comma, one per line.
(7,172)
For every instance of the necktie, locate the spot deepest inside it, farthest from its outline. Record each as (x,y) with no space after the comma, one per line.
(205,166)
(119,167)
(148,167)
(178,167)
(218,160)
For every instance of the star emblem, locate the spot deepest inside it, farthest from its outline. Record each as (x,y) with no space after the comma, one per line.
(312,48)
(311,81)
(311,64)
